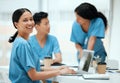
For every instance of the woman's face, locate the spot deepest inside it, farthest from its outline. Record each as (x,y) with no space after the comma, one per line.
(80,19)
(25,24)
(44,26)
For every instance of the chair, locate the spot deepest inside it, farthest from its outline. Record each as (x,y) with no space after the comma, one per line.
(4,74)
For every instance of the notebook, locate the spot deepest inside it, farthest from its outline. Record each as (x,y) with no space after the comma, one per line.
(84,64)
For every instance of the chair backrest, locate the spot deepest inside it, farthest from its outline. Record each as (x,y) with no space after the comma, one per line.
(4,78)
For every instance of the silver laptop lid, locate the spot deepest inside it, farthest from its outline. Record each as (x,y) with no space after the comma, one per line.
(86,59)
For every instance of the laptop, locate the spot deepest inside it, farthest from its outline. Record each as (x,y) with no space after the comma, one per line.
(85,62)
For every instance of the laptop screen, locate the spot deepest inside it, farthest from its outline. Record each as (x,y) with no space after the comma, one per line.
(86,59)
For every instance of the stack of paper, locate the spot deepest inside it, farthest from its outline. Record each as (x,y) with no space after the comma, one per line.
(96,76)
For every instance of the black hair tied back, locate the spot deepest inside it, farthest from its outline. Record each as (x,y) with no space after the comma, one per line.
(12,38)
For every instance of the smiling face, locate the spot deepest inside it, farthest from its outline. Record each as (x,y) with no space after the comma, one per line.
(80,20)
(25,24)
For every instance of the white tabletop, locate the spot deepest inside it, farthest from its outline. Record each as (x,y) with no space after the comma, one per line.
(114,78)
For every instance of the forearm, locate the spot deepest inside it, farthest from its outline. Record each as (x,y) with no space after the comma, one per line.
(50,68)
(58,58)
(91,43)
(34,75)
(79,48)
(53,69)
(47,74)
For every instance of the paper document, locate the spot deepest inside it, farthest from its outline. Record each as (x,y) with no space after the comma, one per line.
(96,76)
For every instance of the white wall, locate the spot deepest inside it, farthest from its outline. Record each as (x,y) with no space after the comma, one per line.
(10,6)
(7,7)
(64,28)
(61,18)
(115,32)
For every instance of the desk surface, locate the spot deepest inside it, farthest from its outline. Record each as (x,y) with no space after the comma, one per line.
(114,78)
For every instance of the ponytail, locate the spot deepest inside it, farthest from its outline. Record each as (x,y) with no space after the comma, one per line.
(104,19)
(12,38)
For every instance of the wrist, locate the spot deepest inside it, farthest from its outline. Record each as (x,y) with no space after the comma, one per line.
(59,72)
(57,60)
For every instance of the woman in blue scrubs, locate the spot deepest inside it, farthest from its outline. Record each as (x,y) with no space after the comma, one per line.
(88,30)
(43,44)
(24,65)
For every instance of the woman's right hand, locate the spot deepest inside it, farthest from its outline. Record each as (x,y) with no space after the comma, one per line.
(61,67)
(67,71)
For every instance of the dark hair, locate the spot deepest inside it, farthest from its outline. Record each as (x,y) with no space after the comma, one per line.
(15,18)
(89,11)
(39,16)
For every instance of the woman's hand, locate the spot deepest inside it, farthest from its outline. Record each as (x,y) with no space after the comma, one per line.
(67,71)
(61,67)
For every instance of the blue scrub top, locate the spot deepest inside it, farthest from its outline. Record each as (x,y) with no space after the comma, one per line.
(97,29)
(21,61)
(51,46)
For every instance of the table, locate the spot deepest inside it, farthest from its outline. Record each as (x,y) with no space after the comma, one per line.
(114,78)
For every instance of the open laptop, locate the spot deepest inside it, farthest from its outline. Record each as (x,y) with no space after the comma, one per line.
(85,62)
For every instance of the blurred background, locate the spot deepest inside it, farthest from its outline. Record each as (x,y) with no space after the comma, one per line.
(61,17)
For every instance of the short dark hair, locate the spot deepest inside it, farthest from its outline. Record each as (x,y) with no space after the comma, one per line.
(39,16)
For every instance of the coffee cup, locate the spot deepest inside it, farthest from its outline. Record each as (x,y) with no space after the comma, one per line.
(47,61)
(101,67)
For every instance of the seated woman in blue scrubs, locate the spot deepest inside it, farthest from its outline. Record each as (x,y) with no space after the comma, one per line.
(88,30)
(24,65)
(43,44)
